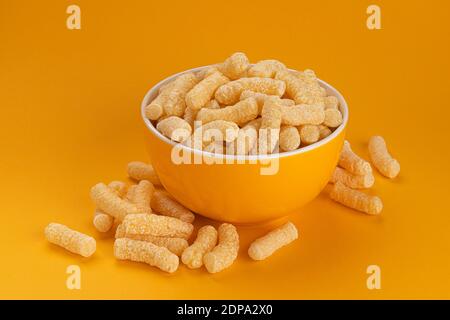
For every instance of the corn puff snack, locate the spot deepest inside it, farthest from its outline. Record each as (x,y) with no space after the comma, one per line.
(352,181)
(289,138)
(146,252)
(109,202)
(224,254)
(302,114)
(331,102)
(265,69)
(69,239)
(175,104)
(174,128)
(356,199)
(324,132)
(164,204)
(261,98)
(155,109)
(175,245)
(103,222)
(309,134)
(381,159)
(141,194)
(155,225)
(241,112)
(247,137)
(265,246)
(235,66)
(203,91)
(270,126)
(230,92)
(333,118)
(352,162)
(217,130)
(142,171)
(205,242)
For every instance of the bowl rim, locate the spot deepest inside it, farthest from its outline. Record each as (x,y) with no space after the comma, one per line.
(154,131)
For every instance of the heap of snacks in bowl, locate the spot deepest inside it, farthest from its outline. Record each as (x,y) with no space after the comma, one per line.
(233,109)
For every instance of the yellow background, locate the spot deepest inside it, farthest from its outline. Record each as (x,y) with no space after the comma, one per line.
(69,107)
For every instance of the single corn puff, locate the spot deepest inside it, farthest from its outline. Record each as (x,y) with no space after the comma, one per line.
(352,181)
(234,66)
(356,199)
(302,114)
(174,128)
(270,126)
(146,252)
(205,242)
(333,118)
(175,245)
(381,159)
(324,132)
(261,98)
(109,202)
(138,170)
(155,225)
(141,196)
(309,134)
(164,204)
(289,138)
(265,68)
(224,254)
(331,102)
(265,246)
(203,91)
(69,239)
(230,92)
(175,103)
(241,112)
(352,162)
(103,222)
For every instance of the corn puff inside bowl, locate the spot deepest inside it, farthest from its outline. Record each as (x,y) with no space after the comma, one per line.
(244,189)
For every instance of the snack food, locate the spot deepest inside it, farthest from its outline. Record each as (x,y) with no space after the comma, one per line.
(224,254)
(205,242)
(356,199)
(155,225)
(265,246)
(147,252)
(69,239)
(381,159)
(103,221)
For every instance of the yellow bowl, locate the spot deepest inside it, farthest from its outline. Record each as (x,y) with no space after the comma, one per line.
(239,192)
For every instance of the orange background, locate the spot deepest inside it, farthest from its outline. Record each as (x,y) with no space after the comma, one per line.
(70,102)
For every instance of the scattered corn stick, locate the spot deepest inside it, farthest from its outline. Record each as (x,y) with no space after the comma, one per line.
(205,242)
(142,171)
(164,204)
(352,162)
(146,252)
(141,195)
(175,245)
(381,159)
(265,246)
(224,254)
(69,239)
(109,202)
(102,221)
(155,225)
(356,199)
(352,181)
